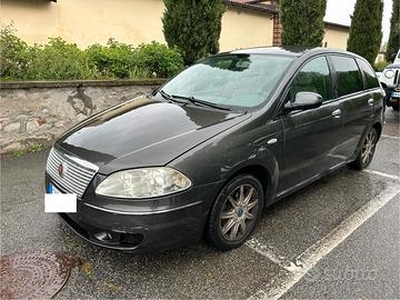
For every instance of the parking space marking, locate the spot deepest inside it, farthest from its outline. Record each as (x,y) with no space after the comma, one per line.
(310,257)
(390,176)
(271,254)
(390,137)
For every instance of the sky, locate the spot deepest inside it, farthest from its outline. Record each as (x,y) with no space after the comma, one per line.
(339,11)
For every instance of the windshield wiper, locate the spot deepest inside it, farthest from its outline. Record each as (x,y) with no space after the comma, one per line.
(170,98)
(197,101)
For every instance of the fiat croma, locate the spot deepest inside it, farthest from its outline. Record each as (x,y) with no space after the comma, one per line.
(205,153)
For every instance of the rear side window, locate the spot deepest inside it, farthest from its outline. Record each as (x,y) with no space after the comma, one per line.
(370,77)
(348,75)
(313,77)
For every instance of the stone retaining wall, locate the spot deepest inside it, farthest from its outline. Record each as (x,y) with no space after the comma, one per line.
(39,112)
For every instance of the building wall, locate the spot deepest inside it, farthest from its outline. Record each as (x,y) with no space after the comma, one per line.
(85,22)
(335,38)
(132,21)
(380,57)
(243,28)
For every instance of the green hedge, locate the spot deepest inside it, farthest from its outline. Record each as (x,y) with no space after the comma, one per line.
(60,60)
(380,66)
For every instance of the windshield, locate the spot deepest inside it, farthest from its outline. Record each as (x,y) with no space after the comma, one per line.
(238,80)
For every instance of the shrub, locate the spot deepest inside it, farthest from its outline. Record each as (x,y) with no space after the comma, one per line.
(119,60)
(366,29)
(15,54)
(193,26)
(302,22)
(159,59)
(59,60)
(115,60)
(380,66)
(394,37)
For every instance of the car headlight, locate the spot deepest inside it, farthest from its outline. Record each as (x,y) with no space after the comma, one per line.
(389,74)
(143,183)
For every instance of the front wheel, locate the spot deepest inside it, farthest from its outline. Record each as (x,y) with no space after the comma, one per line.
(235,212)
(367,150)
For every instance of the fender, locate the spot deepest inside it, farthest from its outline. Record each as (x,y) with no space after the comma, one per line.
(233,152)
(262,162)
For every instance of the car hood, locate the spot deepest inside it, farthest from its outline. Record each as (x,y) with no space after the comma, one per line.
(392,66)
(144,132)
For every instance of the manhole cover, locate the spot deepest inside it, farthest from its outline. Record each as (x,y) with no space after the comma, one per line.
(34,275)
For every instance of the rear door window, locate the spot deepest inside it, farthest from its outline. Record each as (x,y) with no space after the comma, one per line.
(369,74)
(348,75)
(313,77)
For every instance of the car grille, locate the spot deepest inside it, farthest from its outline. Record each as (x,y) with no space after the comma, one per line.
(76,173)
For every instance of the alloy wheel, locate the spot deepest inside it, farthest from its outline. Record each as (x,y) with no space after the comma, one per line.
(368,147)
(239,212)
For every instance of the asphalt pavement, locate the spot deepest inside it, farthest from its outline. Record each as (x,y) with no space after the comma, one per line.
(337,238)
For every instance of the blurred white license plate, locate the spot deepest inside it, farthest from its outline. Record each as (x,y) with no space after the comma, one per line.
(57,202)
(395,94)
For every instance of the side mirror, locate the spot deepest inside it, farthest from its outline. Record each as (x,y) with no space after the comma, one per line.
(393,57)
(304,101)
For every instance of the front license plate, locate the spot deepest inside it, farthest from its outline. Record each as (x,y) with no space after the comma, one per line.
(395,95)
(57,202)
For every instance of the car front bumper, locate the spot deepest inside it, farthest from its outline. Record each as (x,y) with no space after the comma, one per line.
(141,225)
(392,96)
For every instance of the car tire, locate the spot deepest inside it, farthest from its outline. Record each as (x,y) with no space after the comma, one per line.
(235,213)
(367,151)
(395,107)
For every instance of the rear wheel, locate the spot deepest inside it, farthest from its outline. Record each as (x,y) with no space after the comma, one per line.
(367,150)
(235,213)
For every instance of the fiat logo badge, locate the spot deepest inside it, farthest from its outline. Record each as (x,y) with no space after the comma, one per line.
(62,169)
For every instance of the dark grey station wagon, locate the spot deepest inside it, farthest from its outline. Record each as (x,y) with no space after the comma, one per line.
(206,152)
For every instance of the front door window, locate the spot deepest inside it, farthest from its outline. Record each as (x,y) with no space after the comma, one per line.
(313,77)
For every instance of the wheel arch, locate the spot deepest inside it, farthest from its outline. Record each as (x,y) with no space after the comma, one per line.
(378,128)
(377,125)
(258,171)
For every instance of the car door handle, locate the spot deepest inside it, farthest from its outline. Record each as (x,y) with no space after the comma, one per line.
(337,114)
(371,102)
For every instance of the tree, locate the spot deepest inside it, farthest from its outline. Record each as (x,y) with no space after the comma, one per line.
(302,22)
(394,38)
(366,29)
(193,26)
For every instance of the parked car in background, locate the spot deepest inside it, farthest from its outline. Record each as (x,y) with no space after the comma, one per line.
(204,154)
(390,80)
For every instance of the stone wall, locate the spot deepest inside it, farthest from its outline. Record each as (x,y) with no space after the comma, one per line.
(39,112)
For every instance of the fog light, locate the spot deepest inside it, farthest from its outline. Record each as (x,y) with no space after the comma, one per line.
(103,236)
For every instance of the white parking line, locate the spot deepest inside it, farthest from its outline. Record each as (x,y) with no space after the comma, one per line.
(390,176)
(269,253)
(310,257)
(390,137)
